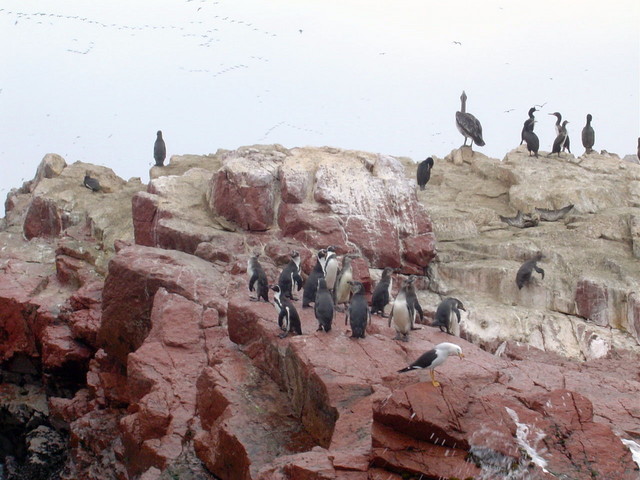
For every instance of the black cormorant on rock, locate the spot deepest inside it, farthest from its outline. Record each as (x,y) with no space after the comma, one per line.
(424,172)
(559,125)
(468,125)
(528,124)
(159,150)
(91,183)
(588,136)
(533,143)
(561,140)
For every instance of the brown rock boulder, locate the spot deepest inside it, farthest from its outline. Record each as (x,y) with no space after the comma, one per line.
(43,219)
(135,274)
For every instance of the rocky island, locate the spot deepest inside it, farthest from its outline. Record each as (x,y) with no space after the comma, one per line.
(130,348)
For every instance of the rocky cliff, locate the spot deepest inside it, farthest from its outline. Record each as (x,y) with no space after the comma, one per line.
(129,347)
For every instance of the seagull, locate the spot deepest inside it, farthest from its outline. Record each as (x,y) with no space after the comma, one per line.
(434,358)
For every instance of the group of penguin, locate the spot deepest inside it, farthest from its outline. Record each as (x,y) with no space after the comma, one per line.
(159,155)
(327,287)
(470,127)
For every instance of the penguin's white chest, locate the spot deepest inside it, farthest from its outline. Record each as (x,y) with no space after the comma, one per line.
(401,317)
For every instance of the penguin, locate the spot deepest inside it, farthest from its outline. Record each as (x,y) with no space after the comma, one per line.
(358,312)
(561,140)
(330,267)
(448,316)
(404,310)
(528,124)
(382,292)
(342,289)
(588,136)
(523,277)
(533,142)
(567,143)
(412,299)
(468,125)
(257,280)
(434,358)
(311,285)
(290,276)
(159,150)
(91,183)
(323,306)
(288,318)
(424,172)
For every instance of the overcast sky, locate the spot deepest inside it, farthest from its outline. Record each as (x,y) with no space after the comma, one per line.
(93,81)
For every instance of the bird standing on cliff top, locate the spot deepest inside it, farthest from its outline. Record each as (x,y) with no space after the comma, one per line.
(588,136)
(567,143)
(91,183)
(528,124)
(468,125)
(424,172)
(561,140)
(434,358)
(159,150)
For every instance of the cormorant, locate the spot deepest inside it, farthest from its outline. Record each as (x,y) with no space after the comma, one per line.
(424,172)
(468,125)
(159,150)
(529,136)
(91,183)
(567,143)
(561,140)
(528,124)
(588,136)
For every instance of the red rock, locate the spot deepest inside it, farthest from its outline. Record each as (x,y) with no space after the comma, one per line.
(380,246)
(313,228)
(135,274)
(295,184)
(43,219)
(144,207)
(592,302)
(420,249)
(60,349)
(221,248)
(244,196)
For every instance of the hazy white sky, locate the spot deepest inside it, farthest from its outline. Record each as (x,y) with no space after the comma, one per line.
(93,81)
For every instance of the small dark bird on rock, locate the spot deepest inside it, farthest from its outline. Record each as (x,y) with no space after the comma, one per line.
(566,145)
(91,183)
(159,150)
(523,277)
(424,172)
(588,136)
(528,124)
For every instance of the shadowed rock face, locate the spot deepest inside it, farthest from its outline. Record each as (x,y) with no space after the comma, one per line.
(160,366)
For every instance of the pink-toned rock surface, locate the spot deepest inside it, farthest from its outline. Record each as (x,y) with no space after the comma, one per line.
(43,219)
(179,375)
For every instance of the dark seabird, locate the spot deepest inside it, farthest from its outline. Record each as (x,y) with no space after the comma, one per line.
(447,316)
(559,124)
(434,358)
(358,312)
(91,183)
(528,124)
(521,220)
(424,172)
(159,150)
(533,143)
(552,215)
(561,140)
(468,125)
(523,277)
(588,136)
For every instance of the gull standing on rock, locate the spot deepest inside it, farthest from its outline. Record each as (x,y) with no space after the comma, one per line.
(434,358)
(468,125)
